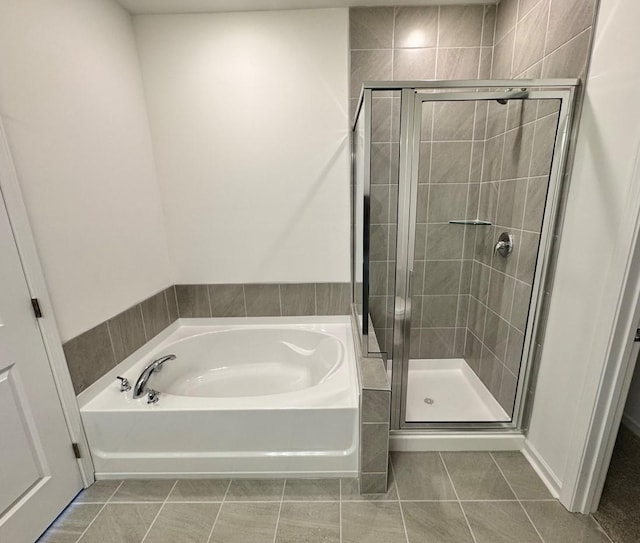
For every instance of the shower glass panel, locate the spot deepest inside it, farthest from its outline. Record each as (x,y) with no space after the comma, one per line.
(455,196)
(483,168)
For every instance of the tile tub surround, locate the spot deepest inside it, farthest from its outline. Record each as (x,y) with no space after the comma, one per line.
(93,353)
(448,497)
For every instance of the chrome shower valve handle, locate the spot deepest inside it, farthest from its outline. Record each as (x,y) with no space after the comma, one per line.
(504,247)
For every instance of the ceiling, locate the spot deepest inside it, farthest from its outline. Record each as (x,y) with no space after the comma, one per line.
(211,6)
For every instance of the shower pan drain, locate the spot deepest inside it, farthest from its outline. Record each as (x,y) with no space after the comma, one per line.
(428,401)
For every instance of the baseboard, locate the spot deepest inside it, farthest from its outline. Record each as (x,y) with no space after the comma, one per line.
(543,470)
(631,424)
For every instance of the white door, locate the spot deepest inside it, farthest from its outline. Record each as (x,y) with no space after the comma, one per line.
(39,474)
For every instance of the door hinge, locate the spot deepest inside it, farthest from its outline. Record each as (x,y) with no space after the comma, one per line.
(76,450)
(36,308)
(637,338)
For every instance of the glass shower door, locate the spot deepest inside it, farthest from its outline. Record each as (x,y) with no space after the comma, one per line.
(477,174)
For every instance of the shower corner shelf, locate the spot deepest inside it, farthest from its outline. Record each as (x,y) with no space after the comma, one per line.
(474,222)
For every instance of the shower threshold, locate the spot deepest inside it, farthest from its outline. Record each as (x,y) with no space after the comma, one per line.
(448,390)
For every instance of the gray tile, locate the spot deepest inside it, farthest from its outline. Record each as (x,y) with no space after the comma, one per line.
(489,24)
(473,352)
(450,162)
(312,490)
(143,490)
(371,522)
(193,301)
(437,342)
(477,317)
(528,256)
(89,356)
(422,204)
(298,299)
(496,335)
(127,332)
(511,203)
(436,522)
(514,350)
(530,38)
(507,395)
(172,303)
(412,64)
(121,523)
(516,157)
(567,19)
(333,298)
(373,483)
(503,55)
(199,490)
(458,63)
(380,163)
(255,490)
(375,405)
(381,119)
(570,60)
(491,370)
(439,311)
(476,476)
(557,525)
(416,27)
(453,121)
(442,277)
(506,18)
(463,311)
(370,28)
(374,447)
(500,296)
(521,476)
(263,300)
(309,523)
(521,300)
(500,522)
(460,26)
(497,116)
(543,146)
(155,314)
(521,112)
(444,241)
(536,199)
(98,492)
(70,525)
(421,476)
(184,522)
(379,248)
(350,489)
(373,374)
(246,523)
(379,204)
(227,300)
(447,202)
(369,66)
(480,281)
(491,170)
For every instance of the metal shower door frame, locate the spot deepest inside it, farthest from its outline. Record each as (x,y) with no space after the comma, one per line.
(411,106)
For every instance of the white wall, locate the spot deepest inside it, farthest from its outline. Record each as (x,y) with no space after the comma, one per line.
(597,241)
(72,103)
(249,124)
(632,408)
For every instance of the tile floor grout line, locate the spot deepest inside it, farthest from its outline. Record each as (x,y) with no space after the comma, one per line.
(600,526)
(404,524)
(517,498)
(215,521)
(159,510)
(455,491)
(98,513)
(275,534)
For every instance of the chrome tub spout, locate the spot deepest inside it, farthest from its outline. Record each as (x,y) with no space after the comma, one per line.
(141,384)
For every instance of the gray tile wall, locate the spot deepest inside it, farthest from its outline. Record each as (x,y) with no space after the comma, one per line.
(93,353)
(408,43)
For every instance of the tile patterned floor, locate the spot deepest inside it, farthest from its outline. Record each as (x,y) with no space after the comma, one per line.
(432,498)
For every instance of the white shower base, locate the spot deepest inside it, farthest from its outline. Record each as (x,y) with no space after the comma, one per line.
(453,391)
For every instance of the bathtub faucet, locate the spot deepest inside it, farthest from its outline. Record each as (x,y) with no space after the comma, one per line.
(141,383)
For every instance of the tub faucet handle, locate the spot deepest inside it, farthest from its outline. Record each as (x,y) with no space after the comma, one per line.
(153,396)
(124,384)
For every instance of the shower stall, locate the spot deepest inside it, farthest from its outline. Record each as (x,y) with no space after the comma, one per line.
(456,187)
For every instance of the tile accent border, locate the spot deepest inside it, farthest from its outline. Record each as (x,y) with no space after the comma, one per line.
(96,351)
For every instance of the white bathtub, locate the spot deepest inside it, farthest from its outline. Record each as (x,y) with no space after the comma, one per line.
(252,397)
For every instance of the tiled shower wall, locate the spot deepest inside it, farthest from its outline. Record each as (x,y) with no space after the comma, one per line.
(93,353)
(543,38)
(408,43)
